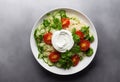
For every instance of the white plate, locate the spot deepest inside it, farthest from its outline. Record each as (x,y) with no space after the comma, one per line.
(84,63)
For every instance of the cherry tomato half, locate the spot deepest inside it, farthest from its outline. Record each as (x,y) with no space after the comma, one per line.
(80,34)
(54,57)
(75,59)
(84,45)
(65,22)
(47,38)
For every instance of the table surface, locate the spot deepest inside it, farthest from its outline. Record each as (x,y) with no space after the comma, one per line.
(17,63)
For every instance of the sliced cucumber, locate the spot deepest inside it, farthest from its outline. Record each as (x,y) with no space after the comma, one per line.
(56,13)
(58,16)
(58,65)
(42,44)
(45,54)
(52,30)
(42,31)
(50,63)
(40,27)
(47,29)
(40,56)
(45,59)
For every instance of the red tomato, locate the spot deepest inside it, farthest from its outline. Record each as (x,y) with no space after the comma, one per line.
(75,59)
(80,34)
(54,57)
(65,22)
(47,38)
(84,45)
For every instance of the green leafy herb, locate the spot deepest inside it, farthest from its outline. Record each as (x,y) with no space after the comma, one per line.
(40,49)
(46,23)
(73,30)
(53,26)
(40,56)
(85,29)
(35,33)
(65,60)
(91,39)
(76,49)
(59,26)
(81,58)
(76,38)
(57,23)
(55,20)
(65,63)
(89,52)
(37,38)
(87,36)
(63,13)
(66,54)
(40,37)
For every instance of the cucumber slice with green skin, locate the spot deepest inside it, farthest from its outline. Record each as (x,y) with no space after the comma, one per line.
(40,56)
(45,54)
(58,65)
(45,59)
(42,44)
(42,31)
(50,63)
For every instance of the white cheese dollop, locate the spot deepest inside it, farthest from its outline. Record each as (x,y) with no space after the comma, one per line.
(62,40)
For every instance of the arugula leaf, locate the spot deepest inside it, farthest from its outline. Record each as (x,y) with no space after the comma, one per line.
(46,23)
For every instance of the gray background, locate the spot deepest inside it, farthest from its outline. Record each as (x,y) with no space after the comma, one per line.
(17,18)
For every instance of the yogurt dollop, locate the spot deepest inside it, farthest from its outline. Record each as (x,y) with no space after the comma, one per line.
(62,40)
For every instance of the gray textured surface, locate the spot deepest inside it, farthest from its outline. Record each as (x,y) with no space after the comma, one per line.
(17,18)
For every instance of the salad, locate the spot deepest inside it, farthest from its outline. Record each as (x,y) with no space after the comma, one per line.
(63,39)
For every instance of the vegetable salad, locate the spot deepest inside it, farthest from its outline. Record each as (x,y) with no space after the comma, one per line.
(58,20)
